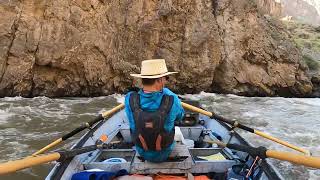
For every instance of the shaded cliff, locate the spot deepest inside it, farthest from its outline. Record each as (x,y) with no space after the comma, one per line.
(89,48)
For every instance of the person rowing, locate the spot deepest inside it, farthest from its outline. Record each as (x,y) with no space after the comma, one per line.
(152,112)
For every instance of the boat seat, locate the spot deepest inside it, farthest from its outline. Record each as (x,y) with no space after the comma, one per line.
(179,161)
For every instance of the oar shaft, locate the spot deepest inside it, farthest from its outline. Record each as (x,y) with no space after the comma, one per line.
(196,109)
(113,110)
(54,143)
(295,158)
(236,124)
(80,128)
(281,142)
(13,166)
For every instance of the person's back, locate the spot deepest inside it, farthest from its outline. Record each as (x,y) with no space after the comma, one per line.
(151,113)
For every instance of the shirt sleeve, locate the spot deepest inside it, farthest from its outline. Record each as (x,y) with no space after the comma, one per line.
(178,109)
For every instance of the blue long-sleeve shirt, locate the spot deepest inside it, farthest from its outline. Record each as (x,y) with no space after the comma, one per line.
(151,102)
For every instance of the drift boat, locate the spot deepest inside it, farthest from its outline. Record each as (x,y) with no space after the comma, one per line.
(191,155)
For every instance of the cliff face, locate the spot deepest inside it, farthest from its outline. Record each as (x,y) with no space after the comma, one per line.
(306,11)
(272,7)
(89,47)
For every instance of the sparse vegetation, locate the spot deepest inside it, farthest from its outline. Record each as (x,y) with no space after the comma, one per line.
(306,36)
(311,63)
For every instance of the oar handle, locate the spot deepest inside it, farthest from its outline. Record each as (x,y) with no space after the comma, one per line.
(196,109)
(295,158)
(260,151)
(13,166)
(215,116)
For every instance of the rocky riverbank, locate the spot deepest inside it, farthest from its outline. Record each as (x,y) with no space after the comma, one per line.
(89,47)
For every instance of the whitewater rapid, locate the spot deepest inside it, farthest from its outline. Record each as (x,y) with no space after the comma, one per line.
(28,124)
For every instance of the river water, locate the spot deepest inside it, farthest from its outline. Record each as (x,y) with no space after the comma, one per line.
(27,125)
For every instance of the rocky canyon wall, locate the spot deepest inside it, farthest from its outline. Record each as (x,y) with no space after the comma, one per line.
(89,47)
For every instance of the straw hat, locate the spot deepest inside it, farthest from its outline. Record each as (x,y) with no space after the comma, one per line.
(154,68)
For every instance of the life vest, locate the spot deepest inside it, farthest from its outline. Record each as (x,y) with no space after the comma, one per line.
(149,130)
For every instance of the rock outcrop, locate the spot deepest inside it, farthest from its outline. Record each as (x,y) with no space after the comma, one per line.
(307,38)
(89,47)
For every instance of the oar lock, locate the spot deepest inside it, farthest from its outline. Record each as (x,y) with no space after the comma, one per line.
(234,126)
(87,125)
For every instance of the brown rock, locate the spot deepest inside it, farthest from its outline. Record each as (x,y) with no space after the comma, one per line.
(89,48)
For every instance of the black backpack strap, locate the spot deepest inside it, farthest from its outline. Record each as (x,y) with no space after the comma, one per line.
(165,138)
(134,102)
(164,109)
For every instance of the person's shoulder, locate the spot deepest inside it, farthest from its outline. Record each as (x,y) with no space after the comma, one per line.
(128,94)
(167,91)
(136,90)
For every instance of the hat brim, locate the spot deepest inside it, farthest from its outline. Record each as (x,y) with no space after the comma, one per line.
(152,76)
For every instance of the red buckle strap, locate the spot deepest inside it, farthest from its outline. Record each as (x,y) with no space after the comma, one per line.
(158,143)
(143,143)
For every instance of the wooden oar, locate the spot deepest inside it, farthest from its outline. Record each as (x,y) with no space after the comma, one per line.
(13,166)
(237,124)
(79,129)
(263,152)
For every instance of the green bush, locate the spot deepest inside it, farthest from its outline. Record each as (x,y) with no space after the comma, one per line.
(311,63)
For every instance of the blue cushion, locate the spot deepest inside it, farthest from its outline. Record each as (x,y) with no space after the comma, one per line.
(99,175)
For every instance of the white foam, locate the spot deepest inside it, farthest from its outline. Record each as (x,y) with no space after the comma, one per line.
(119,97)
(197,97)
(17,98)
(5,115)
